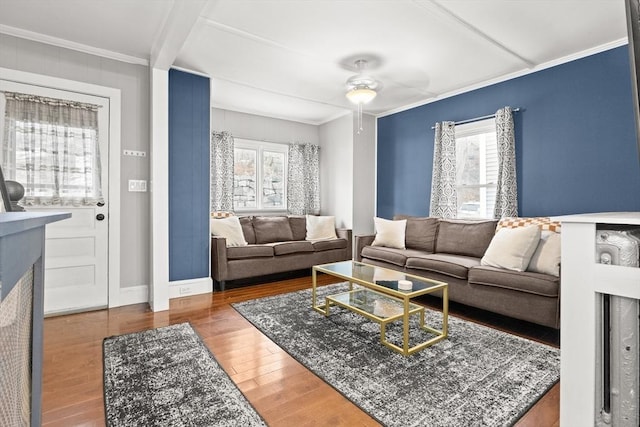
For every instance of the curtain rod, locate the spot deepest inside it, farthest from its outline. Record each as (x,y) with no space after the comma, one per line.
(476,119)
(265,140)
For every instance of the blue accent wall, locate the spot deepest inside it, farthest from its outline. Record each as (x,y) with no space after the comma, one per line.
(575,140)
(189,116)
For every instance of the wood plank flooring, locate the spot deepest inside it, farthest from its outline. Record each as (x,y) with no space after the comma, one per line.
(283,391)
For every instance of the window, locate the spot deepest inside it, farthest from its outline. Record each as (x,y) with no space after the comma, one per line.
(51,147)
(476,169)
(260,179)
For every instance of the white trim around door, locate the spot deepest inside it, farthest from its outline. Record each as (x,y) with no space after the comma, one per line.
(114,97)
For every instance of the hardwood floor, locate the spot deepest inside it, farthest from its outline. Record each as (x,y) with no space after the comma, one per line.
(283,391)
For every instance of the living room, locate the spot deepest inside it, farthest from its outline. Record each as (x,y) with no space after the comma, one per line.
(576,148)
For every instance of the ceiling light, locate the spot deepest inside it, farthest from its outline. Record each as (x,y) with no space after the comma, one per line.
(362,95)
(361,89)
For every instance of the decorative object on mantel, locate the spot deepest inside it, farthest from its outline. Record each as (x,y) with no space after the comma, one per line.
(15,192)
(361,89)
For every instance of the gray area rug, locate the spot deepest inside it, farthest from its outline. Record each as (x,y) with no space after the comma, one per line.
(477,377)
(168,377)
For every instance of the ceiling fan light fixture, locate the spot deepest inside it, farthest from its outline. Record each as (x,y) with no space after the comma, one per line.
(361,95)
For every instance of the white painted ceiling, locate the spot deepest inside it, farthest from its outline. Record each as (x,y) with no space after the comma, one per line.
(290,58)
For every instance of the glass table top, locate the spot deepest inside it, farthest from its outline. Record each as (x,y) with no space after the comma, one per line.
(380,276)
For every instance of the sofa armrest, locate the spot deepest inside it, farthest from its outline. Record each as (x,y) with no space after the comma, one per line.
(218,258)
(346,233)
(361,242)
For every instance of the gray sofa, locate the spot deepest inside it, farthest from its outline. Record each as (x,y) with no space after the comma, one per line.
(276,244)
(450,251)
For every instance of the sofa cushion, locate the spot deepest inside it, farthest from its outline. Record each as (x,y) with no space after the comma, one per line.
(270,229)
(451,265)
(250,251)
(293,247)
(420,233)
(546,258)
(247,229)
(533,283)
(389,233)
(512,248)
(298,224)
(462,237)
(381,253)
(327,245)
(230,229)
(321,227)
(390,255)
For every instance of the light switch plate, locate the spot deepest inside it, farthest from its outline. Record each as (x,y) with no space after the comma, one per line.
(137,185)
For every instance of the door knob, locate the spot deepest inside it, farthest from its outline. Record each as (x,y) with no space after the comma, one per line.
(100,204)
(100,217)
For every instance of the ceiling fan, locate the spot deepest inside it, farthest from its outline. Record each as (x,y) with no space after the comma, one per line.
(361,88)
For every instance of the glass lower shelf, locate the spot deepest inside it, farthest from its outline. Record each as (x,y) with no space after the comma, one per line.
(376,304)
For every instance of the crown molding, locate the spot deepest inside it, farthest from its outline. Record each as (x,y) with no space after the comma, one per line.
(67,44)
(559,61)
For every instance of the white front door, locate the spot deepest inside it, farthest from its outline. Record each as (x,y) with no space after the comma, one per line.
(76,249)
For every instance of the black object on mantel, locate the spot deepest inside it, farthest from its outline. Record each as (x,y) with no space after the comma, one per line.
(15,191)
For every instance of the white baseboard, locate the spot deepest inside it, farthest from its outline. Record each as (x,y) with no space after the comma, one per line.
(184,288)
(133,295)
(177,289)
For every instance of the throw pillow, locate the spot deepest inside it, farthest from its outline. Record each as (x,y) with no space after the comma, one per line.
(230,229)
(546,258)
(390,233)
(512,248)
(321,227)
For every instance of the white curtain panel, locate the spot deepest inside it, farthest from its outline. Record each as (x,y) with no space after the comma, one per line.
(50,146)
(444,202)
(507,188)
(222,154)
(303,179)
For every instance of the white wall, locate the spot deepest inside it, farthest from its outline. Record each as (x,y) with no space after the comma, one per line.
(260,128)
(133,81)
(336,170)
(364,176)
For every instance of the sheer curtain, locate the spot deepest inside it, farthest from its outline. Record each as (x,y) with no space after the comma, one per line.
(507,188)
(51,147)
(444,203)
(303,179)
(222,154)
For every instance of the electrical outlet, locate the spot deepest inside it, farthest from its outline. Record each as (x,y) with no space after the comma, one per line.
(185,290)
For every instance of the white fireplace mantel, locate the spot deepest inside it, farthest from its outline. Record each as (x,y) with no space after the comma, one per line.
(582,280)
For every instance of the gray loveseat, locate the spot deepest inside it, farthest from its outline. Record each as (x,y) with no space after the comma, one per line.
(276,244)
(450,251)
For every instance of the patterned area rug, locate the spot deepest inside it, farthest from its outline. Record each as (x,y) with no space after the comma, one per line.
(168,377)
(477,377)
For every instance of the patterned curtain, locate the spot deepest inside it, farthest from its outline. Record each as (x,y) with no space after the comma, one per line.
(303,179)
(444,203)
(221,172)
(507,188)
(51,147)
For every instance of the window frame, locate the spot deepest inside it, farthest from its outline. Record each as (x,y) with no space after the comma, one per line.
(260,147)
(480,127)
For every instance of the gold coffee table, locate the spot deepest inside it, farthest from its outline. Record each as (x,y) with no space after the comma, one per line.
(380,300)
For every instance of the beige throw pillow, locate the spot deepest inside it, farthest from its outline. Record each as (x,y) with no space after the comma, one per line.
(321,227)
(390,233)
(546,258)
(230,229)
(512,248)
